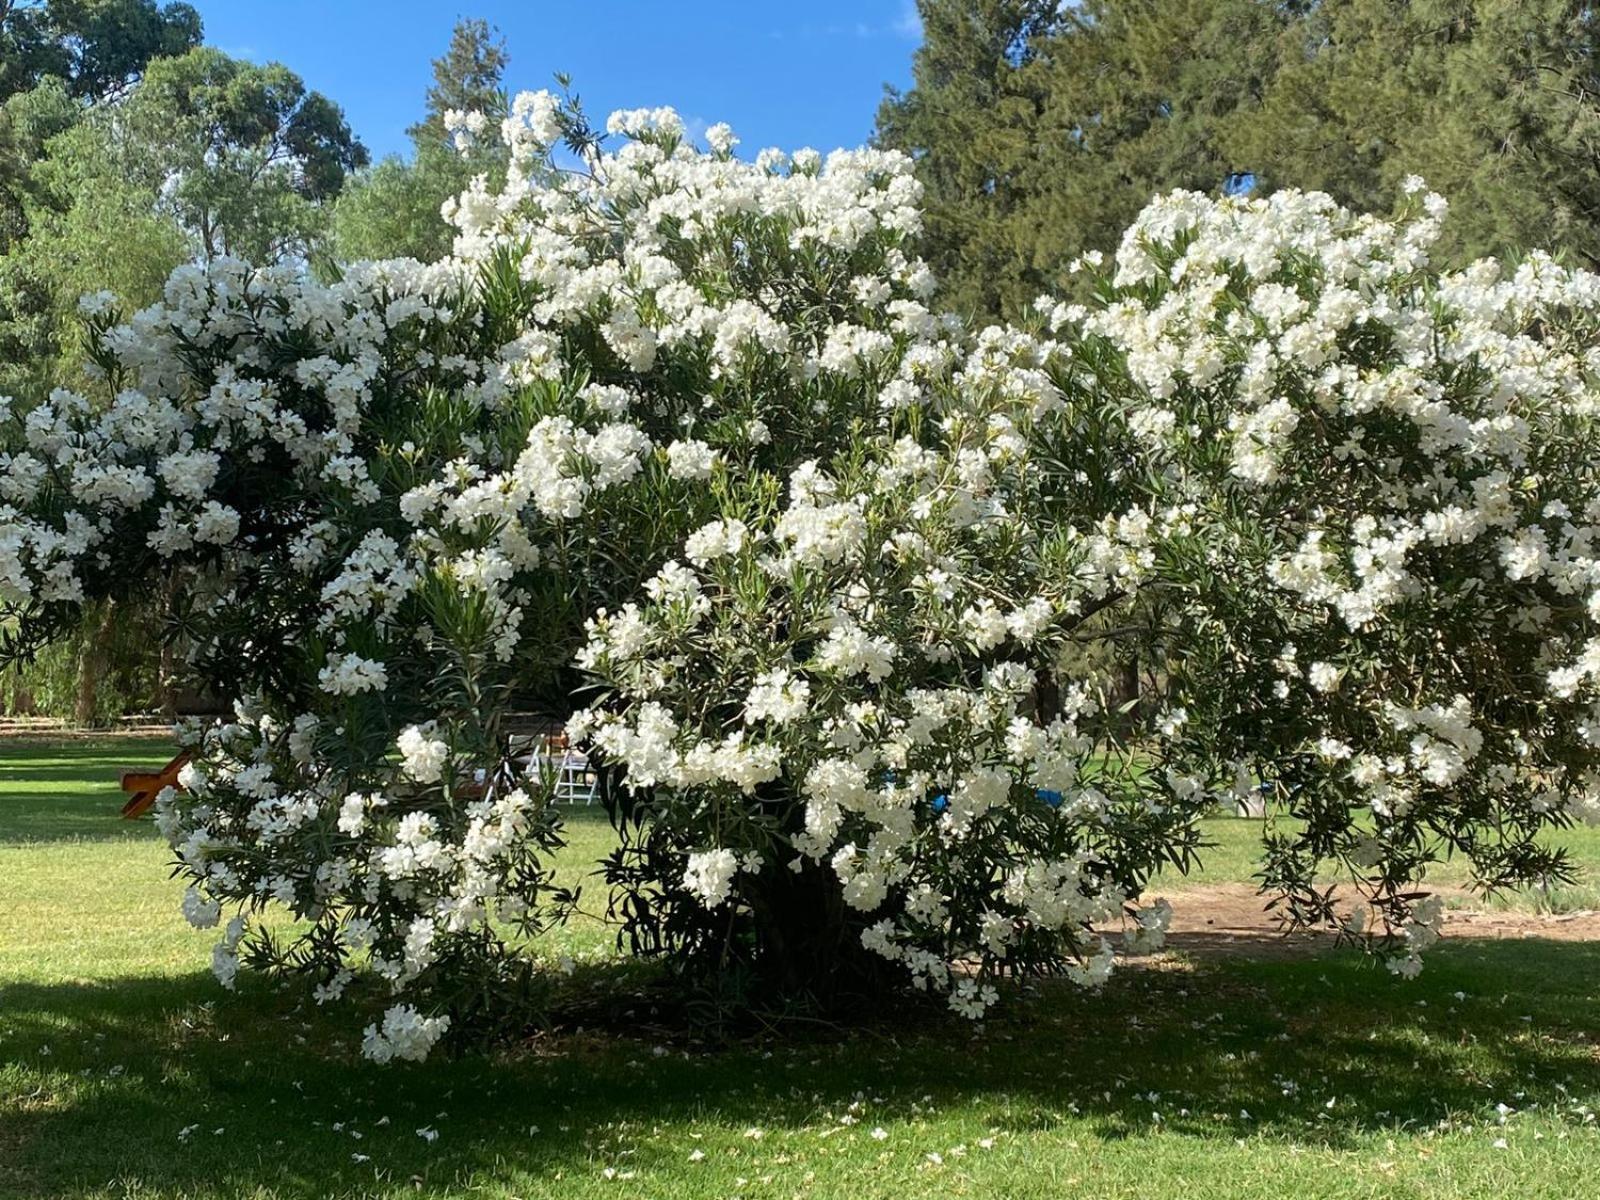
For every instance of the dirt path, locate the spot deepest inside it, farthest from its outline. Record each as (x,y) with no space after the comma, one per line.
(1230,918)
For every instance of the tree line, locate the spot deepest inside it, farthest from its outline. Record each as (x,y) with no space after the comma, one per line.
(1040,129)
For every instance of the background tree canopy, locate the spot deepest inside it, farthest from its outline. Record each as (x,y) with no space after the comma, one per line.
(126,149)
(240,156)
(204,155)
(393,210)
(1040,130)
(98,47)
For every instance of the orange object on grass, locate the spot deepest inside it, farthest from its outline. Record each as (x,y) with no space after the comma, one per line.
(144,786)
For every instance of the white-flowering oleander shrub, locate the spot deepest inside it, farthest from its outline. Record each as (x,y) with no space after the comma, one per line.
(1342,506)
(857,699)
(425,895)
(673,447)
(393,499)
(1396,632)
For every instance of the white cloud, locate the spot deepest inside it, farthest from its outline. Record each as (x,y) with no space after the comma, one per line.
(909,23)
(906,24)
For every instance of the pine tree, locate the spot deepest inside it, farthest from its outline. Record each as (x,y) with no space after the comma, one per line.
(970,120)
(469,76)
(1496,103)
(1040,133)
(1141,96)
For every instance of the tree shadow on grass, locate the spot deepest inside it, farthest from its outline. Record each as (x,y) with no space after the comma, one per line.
(98,757)
(100,1081)
(53,792)
(82,802)
(90,815)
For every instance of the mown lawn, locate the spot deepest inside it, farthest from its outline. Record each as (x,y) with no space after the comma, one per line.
(125,1071)
(1235,848)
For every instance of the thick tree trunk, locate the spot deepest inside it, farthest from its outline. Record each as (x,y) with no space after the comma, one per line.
(20,702)
(92,662)
(808,952)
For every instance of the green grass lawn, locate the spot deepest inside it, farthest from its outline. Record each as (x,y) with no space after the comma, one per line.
(125,1071)
(1235,847)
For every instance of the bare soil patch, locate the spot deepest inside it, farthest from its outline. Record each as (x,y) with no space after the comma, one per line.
(1231,919)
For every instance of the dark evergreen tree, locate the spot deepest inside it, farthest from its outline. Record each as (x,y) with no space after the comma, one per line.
(468,77)
(1041,131)
(971,121)
(1496,103)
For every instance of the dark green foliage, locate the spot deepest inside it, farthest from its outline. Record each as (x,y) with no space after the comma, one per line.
(1041,133)
(392,210)
(98,47)
(1493,102)
(972,123)
(27,123)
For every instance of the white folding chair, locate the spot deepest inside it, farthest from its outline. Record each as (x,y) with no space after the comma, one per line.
(575,781)
(568,772)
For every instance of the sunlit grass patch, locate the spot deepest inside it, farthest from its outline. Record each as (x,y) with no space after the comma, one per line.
(126,1071)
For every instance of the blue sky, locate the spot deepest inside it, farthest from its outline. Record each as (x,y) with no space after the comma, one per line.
(782,74)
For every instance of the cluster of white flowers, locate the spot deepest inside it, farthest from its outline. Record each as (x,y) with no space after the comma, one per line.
(379,878)
(404,1034)
(348,674)
(422,757)
(709,875)
(777,696)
